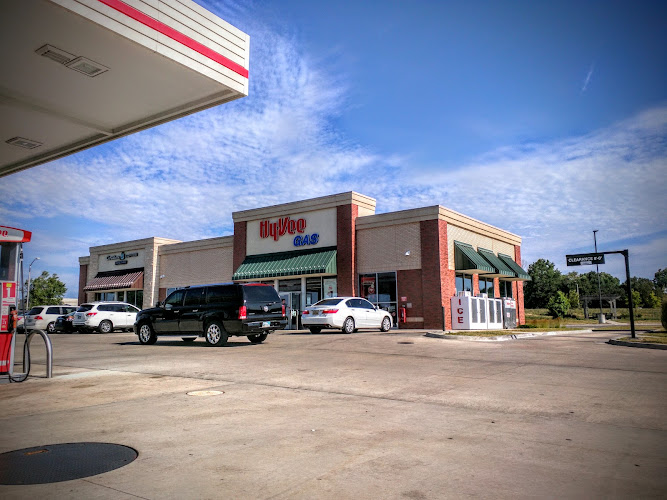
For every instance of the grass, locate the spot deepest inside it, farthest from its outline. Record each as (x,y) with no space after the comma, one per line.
(655,337)
(651,315)
(496,333)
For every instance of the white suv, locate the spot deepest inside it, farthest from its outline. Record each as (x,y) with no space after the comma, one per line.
(105,316)
(44,317)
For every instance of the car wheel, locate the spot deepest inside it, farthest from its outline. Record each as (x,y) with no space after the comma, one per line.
(386,324)
(216,335)
(348,325)
(188,339)
(146,334)
(105,326)
(315,329)
(257,339)
(51,328)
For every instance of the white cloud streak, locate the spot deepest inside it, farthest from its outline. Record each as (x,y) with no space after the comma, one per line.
(587,80)
(183,180)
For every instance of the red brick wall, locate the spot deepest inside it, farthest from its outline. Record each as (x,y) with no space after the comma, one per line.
(475,284)
(436,277)
(520,310)
(162,294)
(409,285)
(240,235)
(346,245)
(496,287)
(83,277)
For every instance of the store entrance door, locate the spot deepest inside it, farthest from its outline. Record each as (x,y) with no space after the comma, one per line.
(292,309)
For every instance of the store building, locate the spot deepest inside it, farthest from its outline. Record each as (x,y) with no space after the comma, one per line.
(410,262)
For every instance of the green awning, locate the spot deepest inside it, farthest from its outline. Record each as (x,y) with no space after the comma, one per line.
(501,269)
(322,261)
(466,259)
(521,275)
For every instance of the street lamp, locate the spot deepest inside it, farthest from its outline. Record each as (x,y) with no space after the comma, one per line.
(597,271)
(29,268)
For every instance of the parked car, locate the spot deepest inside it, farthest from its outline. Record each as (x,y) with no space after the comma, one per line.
(64,323)
(105,317)
(347,313)
(214,312)
(44,317)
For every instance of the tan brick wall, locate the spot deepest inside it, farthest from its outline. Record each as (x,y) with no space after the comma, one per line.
(383,248)
(196,267)
(456,233)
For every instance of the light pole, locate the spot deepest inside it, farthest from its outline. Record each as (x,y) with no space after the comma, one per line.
(29,268)
(597,271)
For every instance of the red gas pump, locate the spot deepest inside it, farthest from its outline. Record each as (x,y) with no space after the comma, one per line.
(11,257)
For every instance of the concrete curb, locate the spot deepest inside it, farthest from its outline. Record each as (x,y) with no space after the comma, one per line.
(500,338)
(643,345)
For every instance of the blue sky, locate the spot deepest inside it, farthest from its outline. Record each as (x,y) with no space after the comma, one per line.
(548,119)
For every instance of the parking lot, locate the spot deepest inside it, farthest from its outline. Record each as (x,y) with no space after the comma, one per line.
(367,415)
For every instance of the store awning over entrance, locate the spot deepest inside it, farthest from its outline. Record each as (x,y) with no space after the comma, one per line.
(111,280)
(501,269)
(521,275)
(466,259)
(287,264)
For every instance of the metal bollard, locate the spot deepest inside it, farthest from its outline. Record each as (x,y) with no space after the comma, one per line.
(49,352)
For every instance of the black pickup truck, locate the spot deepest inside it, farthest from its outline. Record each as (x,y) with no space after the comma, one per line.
(214,312)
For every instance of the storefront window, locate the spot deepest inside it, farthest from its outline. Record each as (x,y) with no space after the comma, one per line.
(380,290)
(506,289)
(486,286)
(463,282)
(292,285)
(313,290)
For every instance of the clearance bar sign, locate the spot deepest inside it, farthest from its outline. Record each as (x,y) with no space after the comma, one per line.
(585,259)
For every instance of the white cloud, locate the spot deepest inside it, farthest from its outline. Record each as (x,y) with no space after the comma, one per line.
(183,180)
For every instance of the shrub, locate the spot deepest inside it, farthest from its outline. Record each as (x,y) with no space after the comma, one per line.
(558,305)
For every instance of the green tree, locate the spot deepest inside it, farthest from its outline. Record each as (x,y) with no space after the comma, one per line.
(573,298)
(46,289)
(558,305)
(545,281)
(609,285)
(660,279)
(653,301)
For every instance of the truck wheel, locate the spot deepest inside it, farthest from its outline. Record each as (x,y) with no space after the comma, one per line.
(348,326)
(146,334)
(105,326)
(216,335)
(257,339)
(386,324)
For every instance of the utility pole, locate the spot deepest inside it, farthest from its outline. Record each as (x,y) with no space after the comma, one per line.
(597,271)
(29,269)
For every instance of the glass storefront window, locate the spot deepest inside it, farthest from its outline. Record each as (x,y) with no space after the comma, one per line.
(380,290)
(463,282)
(506,289)
(292,285)
(313,290)
(486,286)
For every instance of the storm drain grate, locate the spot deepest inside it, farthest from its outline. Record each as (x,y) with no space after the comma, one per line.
(53,463)
(405,342)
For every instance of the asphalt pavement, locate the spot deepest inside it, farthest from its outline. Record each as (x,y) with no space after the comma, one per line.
(367,415)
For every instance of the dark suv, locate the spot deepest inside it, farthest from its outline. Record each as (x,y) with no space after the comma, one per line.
(214,312)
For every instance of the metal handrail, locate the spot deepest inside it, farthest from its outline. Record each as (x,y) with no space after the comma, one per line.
(49,352)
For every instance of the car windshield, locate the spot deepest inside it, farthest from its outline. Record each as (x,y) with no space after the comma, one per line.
(328,302)
(35,310)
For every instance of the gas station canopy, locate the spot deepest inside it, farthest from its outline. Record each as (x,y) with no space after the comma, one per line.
(78,73)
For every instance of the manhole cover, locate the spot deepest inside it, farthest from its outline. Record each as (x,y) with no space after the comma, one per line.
(53,463)
(406,342)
